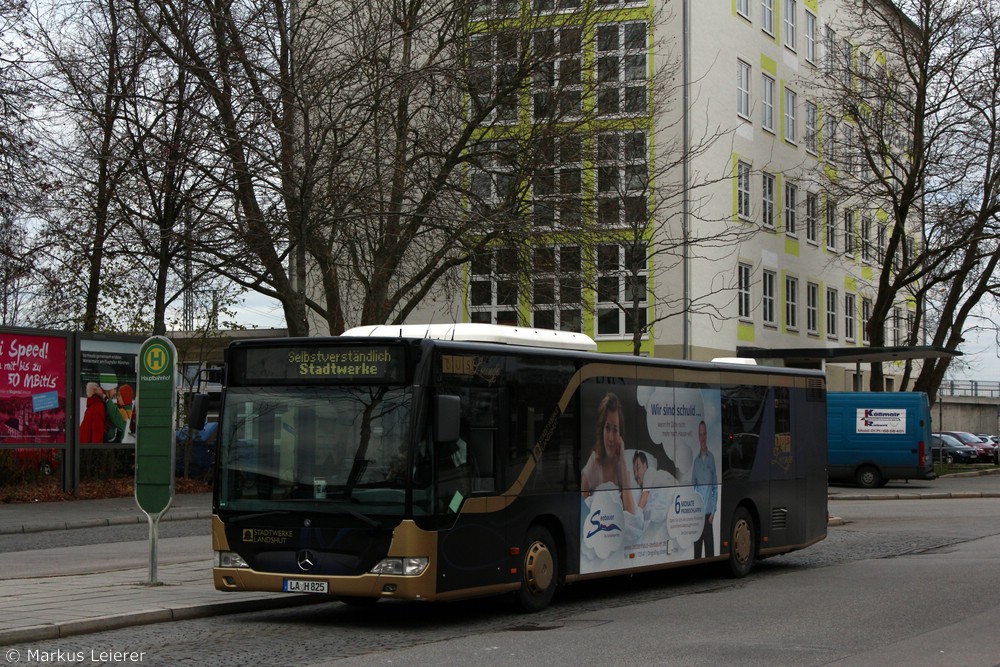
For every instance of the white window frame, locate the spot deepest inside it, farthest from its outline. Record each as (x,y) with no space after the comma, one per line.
(618,276)
(850,321)
(849,234)
(767,16)
(831,312)
(501,63)
(768,283)
(743,295)
(559,81)
(791,303)
(791,208)
(812,308)
(743,187)
(791,127)
(831,224)
(743,8)
(811,129)
(557,292)
(767,102)
(622,178)
(810,37)
(743,71)
(812,217)
(866,316)
(622,70)
(789,18)
(768,200)
(501,306)
(866,239)
(558,186)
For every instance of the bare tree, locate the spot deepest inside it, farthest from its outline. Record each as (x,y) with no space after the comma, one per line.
(907,138)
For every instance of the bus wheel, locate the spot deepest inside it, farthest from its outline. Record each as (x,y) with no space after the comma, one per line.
(868,477)
(743,544)
(538,571)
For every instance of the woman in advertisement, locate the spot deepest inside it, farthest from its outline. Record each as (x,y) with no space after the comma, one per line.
(607,460)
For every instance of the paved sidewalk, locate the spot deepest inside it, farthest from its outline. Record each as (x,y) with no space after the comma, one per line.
(40,608)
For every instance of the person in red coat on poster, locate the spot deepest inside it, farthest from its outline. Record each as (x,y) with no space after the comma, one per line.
(93,426)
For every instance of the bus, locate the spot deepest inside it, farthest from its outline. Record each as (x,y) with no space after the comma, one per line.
(453,461)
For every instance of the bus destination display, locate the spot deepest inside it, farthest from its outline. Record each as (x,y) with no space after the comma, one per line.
(345,364)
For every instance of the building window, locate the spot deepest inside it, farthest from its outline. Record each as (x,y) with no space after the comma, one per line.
(812,308)
(557,84)
(743,8)
(831,224)
(621,289)
(767,16)
(831,313)
(622,178)
(767,106)
(810,37)
(850,308)
(791,208)
(743,190)
(830,50)
(880,242)
(829,139)
(848,231)
(744,273)
(768,200)
(621,69)
(556,288)
(791,130)
(866,316)
(789,18)
(812,132)
(847,138)
(791,302)
(493,290)
(897,327)
(768,285)
(866,238)
(492,186)
(485,8)
(543,6)
(495,84)
(812,217)
(742,89)
(557,187)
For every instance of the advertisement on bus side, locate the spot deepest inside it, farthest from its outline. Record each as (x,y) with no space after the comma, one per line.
(650,484)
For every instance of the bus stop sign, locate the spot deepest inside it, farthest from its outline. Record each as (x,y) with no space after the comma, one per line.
(156,402)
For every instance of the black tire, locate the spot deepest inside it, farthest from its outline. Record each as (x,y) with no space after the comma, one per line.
(539,571)
(742,543)
(868,477)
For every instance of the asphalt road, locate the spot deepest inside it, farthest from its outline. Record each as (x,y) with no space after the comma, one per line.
(901,582)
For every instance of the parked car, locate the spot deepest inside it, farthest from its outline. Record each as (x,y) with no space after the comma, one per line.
(987,452)
(948,449)
(202,460)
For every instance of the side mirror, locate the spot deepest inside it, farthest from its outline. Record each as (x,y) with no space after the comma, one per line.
(447,418)
(198,412)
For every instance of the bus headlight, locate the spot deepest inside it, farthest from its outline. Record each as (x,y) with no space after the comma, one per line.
(229,559)
(407,567)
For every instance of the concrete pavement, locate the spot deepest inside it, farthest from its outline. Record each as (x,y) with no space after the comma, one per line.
(39,608)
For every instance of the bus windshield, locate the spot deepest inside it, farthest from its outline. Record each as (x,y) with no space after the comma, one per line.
(329,449)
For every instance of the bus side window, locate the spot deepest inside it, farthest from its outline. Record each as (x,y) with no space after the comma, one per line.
(482,455)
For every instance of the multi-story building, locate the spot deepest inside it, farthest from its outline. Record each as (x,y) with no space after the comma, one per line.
(710,132)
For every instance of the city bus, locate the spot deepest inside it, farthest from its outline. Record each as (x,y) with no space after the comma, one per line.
(453,461)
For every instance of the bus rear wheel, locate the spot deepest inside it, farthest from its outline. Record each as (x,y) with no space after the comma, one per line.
(742,544)
(539,571)
(868,477)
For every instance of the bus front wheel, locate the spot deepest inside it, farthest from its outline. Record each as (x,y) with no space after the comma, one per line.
(743,544)
(539,571)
